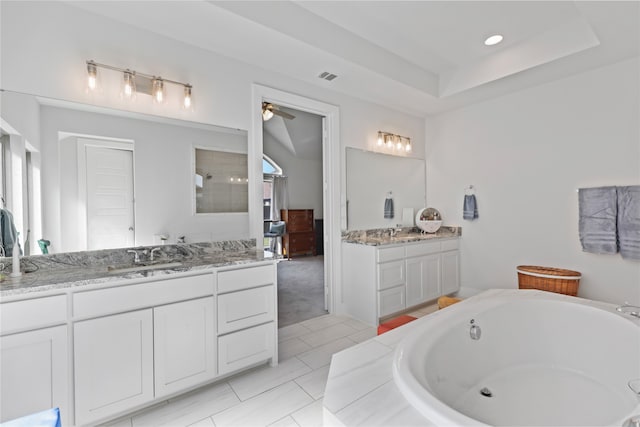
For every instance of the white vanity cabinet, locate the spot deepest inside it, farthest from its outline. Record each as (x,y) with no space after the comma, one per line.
(383,280)
(246,317)
(34,374)
(100,351)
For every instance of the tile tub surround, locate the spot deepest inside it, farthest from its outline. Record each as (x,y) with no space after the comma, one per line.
(58,271)
(360,388)
(383,236)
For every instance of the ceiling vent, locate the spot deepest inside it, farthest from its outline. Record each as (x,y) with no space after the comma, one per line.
(327,76)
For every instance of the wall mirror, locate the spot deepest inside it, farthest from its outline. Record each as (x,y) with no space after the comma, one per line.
(371,177)
(221,184)
(69,169)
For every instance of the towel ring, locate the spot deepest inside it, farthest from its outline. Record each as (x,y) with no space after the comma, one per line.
(469,191)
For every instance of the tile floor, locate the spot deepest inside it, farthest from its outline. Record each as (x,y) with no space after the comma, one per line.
(287,395)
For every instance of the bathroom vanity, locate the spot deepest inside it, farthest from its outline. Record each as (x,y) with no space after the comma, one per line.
(384,274)
(104,346)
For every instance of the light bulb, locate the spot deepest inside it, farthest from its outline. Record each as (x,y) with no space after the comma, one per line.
(399,143)
(389,141)
(158,90)
(92,76)
(380,140)
(128,85)
(267,114)
(407,147)
(187,101)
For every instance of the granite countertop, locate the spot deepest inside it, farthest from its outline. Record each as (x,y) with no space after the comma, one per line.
(58,271)
(389,236)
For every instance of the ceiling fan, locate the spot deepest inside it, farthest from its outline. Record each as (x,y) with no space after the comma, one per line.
(269,110)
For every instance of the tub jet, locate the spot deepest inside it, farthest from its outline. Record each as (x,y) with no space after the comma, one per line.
(486,392)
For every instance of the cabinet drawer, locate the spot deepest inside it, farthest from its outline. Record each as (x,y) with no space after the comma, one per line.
(32,314)
(239,310)
(391,274)
(391,300)
(245,348)
(244,278)
(450,245)
(298,224)
(131,297)
(423,249)
(389,254)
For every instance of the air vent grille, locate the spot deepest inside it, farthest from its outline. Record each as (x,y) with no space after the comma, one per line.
(327,76)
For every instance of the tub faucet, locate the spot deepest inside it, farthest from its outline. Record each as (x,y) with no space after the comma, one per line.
(631,310)
(474,331)
(136,255)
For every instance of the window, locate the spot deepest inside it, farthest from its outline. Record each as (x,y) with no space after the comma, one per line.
(269,169)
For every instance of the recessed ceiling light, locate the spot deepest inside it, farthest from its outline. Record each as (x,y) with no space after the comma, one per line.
(494,39)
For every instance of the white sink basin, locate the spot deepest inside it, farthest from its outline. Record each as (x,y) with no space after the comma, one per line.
(117,270)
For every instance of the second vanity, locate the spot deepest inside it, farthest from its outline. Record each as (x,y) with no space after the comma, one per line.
(103,347)
(384,275)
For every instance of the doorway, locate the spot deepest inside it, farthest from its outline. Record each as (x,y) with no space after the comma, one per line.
(330,179)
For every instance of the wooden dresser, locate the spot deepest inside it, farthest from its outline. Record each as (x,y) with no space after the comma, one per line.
(300,238)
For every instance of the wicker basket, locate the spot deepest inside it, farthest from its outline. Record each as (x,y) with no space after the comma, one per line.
(549,279)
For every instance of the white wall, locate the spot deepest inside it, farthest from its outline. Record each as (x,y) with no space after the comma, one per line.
(163,176)
(304,176)
(526,154)
(63,37)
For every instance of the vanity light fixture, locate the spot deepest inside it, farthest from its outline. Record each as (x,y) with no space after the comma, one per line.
(134,82)
(394,142)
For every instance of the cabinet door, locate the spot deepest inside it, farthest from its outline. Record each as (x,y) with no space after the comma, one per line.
(423,279)
(390,274)
(450,272)
(113,358)
(33,373)
(247,347)
(391,300)
(184,345)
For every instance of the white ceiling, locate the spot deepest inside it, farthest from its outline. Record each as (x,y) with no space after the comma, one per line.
(420,57)
(301,136)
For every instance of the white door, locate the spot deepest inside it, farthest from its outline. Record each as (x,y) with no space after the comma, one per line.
(110,220)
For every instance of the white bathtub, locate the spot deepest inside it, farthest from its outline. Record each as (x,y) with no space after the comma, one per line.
(546,360)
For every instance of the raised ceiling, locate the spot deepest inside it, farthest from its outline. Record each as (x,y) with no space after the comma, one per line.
(420,57)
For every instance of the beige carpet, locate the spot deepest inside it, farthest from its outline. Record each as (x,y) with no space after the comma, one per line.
(300,289)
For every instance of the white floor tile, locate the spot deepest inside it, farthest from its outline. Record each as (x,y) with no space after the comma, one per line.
(291,347)
(321,356)
(319,323)
(207,422)
(265,408)
(292,331)
(356,324)
(328,334)
(189,408)
(259,380)
(310,415)
(314,382)
(364,334)
(285,422)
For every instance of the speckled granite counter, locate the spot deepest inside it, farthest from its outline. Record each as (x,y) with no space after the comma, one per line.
(388,236)
(58,271)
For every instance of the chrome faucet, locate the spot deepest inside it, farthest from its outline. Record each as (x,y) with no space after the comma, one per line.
(153,251)
(136,255)
(631,310)
(474,331)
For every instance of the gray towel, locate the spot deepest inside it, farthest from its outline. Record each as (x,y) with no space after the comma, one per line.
(8,233)
(388,208)
(470,207)
(597,219)
(629,221)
